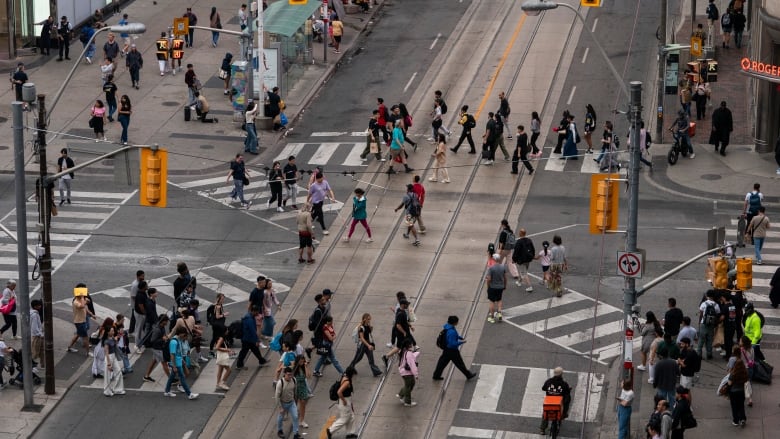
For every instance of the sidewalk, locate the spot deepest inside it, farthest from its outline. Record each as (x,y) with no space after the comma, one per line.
(158,105)
(156,118)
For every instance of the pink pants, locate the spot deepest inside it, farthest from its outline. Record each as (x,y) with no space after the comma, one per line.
(354,223)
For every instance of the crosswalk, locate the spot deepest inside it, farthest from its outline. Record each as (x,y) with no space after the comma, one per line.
(498,388)
(69,229)
(584,164)
(258,192)
(574,322)
(233,279)
(762,274)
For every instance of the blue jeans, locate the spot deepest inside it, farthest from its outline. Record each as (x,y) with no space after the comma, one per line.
(90,53)
(124,120)
(706,334)
(624,420)
(758,244)
(180,374)
(214,37)
(238,189)
(668,395)
(292,409)
(111,108)
(684,140)
(332,359)
(250,143)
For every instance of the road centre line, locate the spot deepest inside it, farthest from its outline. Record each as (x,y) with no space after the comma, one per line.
(435,40)
(571,95)
(595,22)
(585,55)
(408,84)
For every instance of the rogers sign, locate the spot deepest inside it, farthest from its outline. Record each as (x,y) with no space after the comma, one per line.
(749,65)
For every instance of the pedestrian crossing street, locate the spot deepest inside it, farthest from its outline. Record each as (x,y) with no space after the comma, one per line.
(498,388)
(574,322)
(233,279)
(584,163)
(258,192)
(762,274)
(69,229)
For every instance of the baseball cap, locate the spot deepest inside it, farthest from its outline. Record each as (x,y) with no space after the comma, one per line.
(496,257)
(327,292)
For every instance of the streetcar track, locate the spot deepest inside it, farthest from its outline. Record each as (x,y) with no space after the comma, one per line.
(356,302)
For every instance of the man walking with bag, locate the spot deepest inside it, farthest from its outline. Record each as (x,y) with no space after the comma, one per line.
(522,255)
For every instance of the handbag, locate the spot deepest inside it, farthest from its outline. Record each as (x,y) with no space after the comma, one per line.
(373,147)
(221,74)
(762,372)
(92,122)
(223,358)
(324,348)
(245,179)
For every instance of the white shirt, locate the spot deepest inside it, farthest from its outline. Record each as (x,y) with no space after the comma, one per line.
(703,307)
(241,17)
(627,396)
(760,197)
(250,115)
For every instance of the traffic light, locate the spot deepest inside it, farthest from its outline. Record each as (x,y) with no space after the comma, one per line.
(591,3)
(720,272)
(177,49)
(744,274)
(604,195)
(154,175)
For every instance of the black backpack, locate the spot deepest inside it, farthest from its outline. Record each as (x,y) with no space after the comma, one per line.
(314,319)
(710,317)
(414,204)
(211,314)
(441,340)
(470,122)
(333,393)
(524,251)
(236,329)
(712,12)
(442,106)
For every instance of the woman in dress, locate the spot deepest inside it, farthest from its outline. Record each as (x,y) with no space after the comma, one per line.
(125,110)
(98,120)
(225,67)
(590,126)
(441,161)
(302,373)
(223,357)
(219,321)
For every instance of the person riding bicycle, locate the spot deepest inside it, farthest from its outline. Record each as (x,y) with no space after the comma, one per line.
(556,386)
(680,131)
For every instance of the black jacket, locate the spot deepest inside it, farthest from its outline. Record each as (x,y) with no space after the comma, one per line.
(722,120)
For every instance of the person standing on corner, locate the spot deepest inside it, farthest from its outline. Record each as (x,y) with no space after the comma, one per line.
(191,79)
(468,122)
(624,409)
(590,126)
(134,61)
(757,228)
(701,95)
(239,173)
(47,26)
(673,319)
(722,126)
(451,351)
(319,191)
(250,143)
(63,164)
(64,30)
(18,79)
(109,88)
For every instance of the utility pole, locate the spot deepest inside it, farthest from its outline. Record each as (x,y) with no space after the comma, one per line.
(23,287)
(45,192)
(661,82)
(629,293)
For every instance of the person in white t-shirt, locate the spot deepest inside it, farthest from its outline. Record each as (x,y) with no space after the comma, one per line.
(63,164)
(624,410)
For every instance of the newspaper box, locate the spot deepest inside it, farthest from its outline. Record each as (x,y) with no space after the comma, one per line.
(553,408)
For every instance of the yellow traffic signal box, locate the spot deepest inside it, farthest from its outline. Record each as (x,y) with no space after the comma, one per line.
(744,274)
(154,175)
(604,195)
(591,3)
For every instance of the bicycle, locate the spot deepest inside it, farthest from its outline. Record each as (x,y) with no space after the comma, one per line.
(677,148)
(553,413)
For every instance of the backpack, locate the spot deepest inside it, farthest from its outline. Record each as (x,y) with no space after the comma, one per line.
(470,122)
(696,363)
(236,329)
(511,240)
(725,20)
(84,36)
(442,106)
(524,251)
(356,334)
(314,319)
(211,314)
(413,207)
(710,316)
(333,393)
(616,141)
(648,140)
(712,12)
(276,342)
(441,340)
(754,202)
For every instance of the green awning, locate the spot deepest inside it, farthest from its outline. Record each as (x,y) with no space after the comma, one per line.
(283,18)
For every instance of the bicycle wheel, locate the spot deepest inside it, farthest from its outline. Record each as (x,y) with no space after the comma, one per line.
(672,156)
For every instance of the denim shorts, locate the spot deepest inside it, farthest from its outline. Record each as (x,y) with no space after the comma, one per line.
(82,329)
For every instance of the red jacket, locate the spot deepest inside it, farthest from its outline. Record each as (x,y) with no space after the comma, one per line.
(420,191)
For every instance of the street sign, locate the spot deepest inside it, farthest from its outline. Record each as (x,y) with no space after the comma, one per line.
(696,46)
(181,26)
(629,264)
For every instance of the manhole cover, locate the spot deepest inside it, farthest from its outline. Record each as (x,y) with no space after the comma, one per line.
(3,119)
(171,104)
(711,177)
(3,147)
(155,260)
(206,146)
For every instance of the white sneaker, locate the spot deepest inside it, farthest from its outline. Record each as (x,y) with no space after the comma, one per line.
(203,359)
(345,239)
(193,396)
(433,179)
(181,389)
(640,367)
(411,404)
(778,171)
(446,181)
(74,350)
(263,345)
(529,290)
(431,139)
(280,209)
(389,345)
(517,282)
(369,240)
(692,156)
(90,354)
(304,425)
(325,232)
(169,394)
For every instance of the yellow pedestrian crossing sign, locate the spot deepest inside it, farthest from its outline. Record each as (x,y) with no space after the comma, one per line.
(591,3)
(696,46)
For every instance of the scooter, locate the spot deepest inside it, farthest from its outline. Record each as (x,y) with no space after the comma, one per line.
(677,149)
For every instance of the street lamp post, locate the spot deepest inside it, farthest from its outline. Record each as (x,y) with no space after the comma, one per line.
(45,193)
(634,95)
